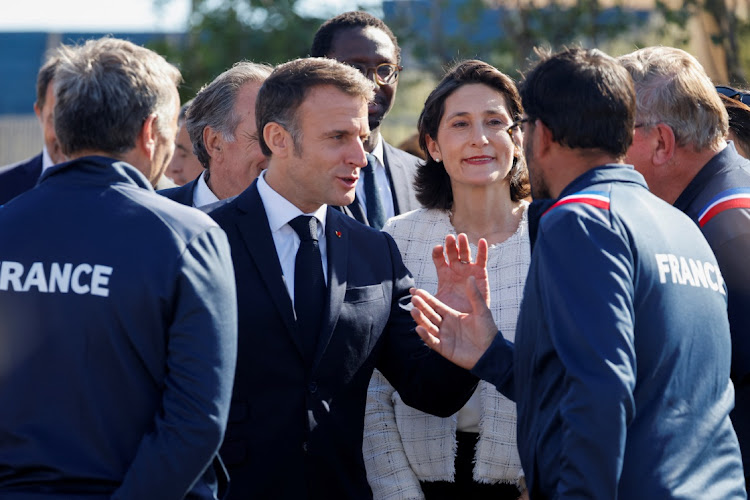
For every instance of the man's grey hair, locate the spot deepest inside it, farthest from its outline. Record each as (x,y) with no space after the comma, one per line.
(105,91)
(213,106)
(672,87)
(44,77)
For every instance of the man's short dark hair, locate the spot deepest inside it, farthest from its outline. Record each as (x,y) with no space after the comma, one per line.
(321,45)
(44,77)
(432,183)
(584,97)
(284,91)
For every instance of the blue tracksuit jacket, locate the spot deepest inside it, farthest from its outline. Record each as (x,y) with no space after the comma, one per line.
(117,339)
(718,200)
(621,362)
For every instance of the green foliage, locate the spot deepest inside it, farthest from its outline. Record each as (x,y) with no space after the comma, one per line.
(222,33)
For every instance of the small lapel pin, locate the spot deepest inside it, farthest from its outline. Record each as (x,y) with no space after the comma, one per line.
(338,234)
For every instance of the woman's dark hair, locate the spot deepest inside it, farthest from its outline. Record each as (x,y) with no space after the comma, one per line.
(432,183)
(739,120)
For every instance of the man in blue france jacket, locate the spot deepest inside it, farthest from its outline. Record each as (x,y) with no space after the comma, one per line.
(621,364)
(117,306)
(682,151)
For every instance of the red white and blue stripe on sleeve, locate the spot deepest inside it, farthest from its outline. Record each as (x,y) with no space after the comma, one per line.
(730,198)
(598,199)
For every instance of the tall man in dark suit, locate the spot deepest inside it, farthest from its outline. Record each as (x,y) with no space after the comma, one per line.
(221,125)
(322,299)
(365,42)
(117,312)
(22,176)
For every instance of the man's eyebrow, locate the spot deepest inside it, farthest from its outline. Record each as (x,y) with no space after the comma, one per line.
(180,146)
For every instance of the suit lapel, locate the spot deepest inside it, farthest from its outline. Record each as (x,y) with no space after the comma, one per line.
(256,234)
(337,243)
(357,212)
(397,178)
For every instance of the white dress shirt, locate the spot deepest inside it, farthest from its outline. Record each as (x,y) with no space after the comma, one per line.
(384,186)
(46,159)
(202,194)
(280,211)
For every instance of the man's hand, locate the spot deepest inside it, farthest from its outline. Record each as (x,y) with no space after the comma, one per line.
(461,337)
(454,267)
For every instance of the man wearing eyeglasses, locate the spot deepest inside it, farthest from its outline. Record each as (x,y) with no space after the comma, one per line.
(680,147)
(363,41)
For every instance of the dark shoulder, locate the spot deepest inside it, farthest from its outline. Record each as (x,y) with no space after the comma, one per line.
(180,194)
(27,164)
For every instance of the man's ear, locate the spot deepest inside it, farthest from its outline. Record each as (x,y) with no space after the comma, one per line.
(666,144)
(213,141)
(542,141)
(278,140)
(146,140)
(37,111)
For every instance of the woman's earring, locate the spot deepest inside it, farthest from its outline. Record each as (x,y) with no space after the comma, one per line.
(437,159)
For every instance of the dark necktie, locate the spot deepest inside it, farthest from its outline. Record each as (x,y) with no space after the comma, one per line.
(374,205)
(309,284)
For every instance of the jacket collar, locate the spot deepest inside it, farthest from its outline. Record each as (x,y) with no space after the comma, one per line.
(96,170)
(610,172)
(726,159)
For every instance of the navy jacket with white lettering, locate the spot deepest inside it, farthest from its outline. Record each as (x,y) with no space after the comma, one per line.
(117,339)
(621,362)
(718,200)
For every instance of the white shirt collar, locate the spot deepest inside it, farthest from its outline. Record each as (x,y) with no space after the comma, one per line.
(46,159)
(378,152)
(202,194)
(280,211)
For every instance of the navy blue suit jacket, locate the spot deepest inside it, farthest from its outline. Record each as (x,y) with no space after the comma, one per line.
(296,433)
(181,194)
(19,177)
(401,168)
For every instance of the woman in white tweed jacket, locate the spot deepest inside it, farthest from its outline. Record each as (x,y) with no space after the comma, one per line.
(473,182)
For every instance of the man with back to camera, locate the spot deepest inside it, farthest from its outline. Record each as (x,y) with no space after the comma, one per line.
(22,176)
(620,369)
(323,299)
(221,125)
(679,146)
(365,42)
(118,319)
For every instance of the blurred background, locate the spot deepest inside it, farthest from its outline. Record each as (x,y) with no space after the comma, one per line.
(205,37)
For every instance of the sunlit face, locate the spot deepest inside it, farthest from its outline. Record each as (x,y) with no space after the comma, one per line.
(368,47)
(46,118)
(331,154)
(242,159)
(184,166)
(473,141)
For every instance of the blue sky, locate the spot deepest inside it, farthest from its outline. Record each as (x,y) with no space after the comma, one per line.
(120,15)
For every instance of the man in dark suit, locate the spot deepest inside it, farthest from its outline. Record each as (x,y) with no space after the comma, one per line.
(221,125)
(117,312)
(22,176)
(363,41)
(320,306)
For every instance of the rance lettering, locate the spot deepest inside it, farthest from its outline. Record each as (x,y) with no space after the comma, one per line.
(55,277)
